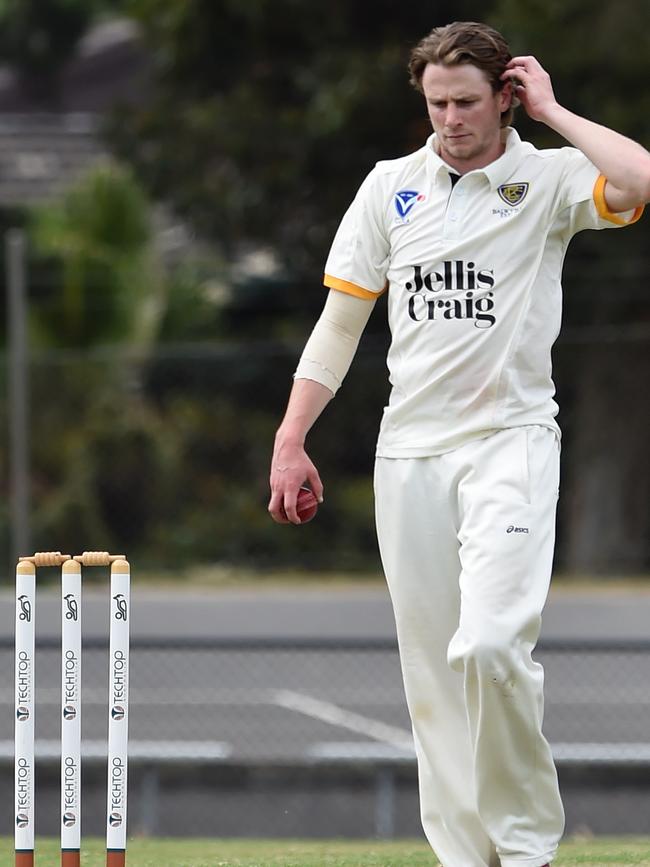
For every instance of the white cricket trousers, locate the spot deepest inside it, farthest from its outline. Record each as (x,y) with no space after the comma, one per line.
(466,539)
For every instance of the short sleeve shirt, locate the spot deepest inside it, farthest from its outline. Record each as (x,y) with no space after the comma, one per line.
(473,274)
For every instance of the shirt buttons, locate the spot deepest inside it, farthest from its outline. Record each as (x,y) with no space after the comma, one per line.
(453,217)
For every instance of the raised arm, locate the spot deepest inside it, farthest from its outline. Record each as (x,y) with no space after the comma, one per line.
(324,363)
(624,162)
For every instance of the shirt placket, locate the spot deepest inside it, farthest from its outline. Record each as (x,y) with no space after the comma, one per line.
(455,210)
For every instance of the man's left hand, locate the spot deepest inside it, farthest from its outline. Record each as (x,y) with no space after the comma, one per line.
(532,85)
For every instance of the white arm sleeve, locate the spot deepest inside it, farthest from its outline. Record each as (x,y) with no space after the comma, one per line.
(330,349)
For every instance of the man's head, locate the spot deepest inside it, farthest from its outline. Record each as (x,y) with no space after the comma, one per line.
(458,68)
(465,42)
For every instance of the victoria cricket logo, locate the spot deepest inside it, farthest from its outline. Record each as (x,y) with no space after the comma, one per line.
(115,820)
(513,194)
(25,608)
(69,819)
(22,714)
(72,612)
(22,820)
(405,201)
(120,611)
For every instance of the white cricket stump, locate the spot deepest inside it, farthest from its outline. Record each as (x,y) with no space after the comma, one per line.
(118,714)
(24,719)
(71,704)
(70,713)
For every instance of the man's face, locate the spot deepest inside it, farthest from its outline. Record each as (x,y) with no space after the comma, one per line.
(465,114)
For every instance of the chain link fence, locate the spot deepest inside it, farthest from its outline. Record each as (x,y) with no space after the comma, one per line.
(164,453)
(312,737)
(167,457)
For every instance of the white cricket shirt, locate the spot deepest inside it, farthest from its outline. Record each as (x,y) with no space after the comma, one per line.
(473,277)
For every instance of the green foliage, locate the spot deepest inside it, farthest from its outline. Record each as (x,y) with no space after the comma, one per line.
(280,108)
(99,238)
(598,55)
(197,291)
(265,117)
(109,472)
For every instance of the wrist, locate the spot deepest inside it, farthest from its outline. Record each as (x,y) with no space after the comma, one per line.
(290,436)
(554,116)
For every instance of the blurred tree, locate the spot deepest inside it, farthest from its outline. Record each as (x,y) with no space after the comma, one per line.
(279,108)
(599,59)
(108,468)
(99,233)
(266,117)
(598,55)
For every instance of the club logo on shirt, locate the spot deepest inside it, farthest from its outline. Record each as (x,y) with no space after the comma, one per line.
(430,299)
(513,194)
(405,201)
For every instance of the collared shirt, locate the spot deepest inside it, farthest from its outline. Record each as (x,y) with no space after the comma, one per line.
(473,275)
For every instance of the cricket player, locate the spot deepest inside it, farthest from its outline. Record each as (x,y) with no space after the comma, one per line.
(467,235)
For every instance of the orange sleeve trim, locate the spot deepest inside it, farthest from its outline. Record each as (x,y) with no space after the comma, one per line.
(351,288)
(603,210)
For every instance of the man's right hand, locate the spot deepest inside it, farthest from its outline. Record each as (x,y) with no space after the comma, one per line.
(290,465)
(290,468)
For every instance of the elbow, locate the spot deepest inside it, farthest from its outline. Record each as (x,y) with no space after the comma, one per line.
(633,194)
(634,190)
(646,189)
(643,185)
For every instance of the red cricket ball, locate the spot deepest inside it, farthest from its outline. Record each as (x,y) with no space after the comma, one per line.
(306,504)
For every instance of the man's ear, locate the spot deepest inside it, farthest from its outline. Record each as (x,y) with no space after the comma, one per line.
(505,96)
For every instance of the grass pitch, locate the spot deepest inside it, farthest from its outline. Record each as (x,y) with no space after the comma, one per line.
(614,852)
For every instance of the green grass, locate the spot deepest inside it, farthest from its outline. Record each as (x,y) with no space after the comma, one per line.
(615,852)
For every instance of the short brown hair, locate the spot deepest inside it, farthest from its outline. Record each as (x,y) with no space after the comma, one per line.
(464,42)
